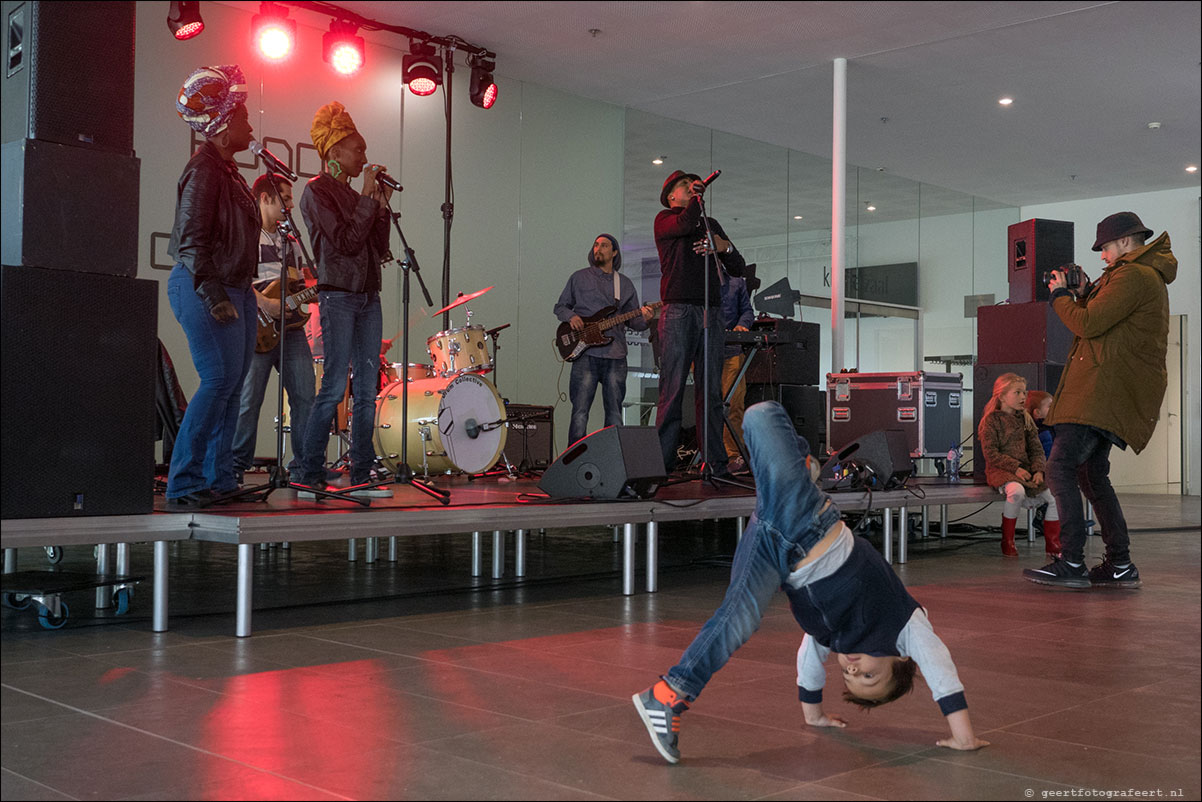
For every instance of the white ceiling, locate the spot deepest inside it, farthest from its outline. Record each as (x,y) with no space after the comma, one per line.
(1087,79)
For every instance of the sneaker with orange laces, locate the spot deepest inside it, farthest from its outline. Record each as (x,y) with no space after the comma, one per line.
(660,707)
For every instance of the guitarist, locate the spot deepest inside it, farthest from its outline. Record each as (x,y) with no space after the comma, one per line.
(589,291)
(298,359)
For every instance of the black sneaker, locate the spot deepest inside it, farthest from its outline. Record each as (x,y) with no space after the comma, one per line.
(1109,575)
(1058,573)
(660,707)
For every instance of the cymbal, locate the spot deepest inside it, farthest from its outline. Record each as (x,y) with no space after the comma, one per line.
(462,299)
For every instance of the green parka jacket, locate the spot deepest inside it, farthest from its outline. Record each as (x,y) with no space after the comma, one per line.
(1115,375)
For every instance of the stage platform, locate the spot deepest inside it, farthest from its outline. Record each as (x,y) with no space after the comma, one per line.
(478,507)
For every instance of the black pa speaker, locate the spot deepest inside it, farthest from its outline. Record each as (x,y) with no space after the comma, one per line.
(80,356)
(879,460)
(614,462)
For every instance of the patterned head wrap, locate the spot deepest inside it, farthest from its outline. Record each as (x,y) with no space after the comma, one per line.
(331,125)
(208,98)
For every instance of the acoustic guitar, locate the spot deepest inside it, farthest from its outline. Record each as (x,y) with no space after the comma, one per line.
(572,343)
(269,328)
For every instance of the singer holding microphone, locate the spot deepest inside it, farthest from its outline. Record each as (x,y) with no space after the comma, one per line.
(348,230)
(684,326)
(214,242)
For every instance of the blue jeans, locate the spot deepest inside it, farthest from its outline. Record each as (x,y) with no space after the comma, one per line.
(221,353)
(587,373)
(352,325)
(683,333)
(301,387)
(1080,463)
(791,515)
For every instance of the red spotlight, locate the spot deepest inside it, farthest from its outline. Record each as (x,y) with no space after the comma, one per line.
(342,49)
(483,88)
(183,20)
(273,33)
(422,69)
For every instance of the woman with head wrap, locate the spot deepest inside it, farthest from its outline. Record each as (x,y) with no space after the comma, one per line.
(214,243)
(349,233)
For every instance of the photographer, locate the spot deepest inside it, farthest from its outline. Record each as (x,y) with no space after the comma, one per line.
(1109,394)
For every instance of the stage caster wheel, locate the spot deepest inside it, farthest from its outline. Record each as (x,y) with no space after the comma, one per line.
(17,601)
(122,600)
(49,621)
(54,554)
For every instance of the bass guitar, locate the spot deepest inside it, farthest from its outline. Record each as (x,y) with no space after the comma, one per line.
(572,343)
(269,328)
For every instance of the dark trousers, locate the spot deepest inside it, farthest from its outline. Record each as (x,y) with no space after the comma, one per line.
(1080,463)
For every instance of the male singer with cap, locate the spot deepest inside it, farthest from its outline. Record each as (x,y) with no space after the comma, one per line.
(588,291)
(349,233)
(1109,393)
(685,324)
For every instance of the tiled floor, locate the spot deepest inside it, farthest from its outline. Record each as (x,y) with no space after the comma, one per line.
(451,688)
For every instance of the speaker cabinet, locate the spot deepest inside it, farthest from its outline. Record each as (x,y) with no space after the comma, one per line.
(614,462)
(69,75)
(1036,246)
(531,441)
(788,362)
(1030,332)
(69,208)
(805,406)
(79,355)
(879,460)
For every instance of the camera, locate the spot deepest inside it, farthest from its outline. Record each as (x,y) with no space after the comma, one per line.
(1074,276)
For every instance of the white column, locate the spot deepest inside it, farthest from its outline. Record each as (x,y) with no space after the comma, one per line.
(838,211)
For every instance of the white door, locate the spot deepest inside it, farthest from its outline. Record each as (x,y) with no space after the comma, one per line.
(1158,468)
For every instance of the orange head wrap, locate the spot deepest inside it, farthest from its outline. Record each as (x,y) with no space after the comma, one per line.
(331,125)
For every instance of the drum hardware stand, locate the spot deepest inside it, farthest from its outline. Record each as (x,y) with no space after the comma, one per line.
(707,471)
(278,475)
(495,336)
(404,474)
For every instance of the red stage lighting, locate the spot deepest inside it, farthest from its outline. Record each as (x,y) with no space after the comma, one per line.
(483,88)
(342,49)
(273,33)
(422,69)
(183,19)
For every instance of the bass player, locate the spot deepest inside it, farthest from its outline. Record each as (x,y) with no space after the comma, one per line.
(599,288)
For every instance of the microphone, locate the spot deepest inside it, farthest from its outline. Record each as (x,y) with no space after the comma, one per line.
(710,179)
(270,161)
(389,181)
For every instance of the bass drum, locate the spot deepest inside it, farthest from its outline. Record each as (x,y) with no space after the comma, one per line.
(444,427)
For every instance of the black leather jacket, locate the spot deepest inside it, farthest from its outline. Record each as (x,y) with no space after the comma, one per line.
(349,234)
(216,231)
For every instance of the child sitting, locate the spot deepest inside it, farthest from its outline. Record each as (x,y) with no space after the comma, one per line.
(1039,404)
(1014,461)
(840,590)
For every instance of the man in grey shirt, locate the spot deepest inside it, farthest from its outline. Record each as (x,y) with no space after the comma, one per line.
(599,288)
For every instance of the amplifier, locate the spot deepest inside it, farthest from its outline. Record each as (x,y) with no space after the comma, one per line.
(792,361)
(1030,332)
(531,441)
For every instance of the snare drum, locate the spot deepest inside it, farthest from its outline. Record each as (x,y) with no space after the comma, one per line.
(392,370)
(456,352)
(453,425)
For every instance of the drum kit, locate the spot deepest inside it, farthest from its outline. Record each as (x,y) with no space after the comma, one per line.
(456,416)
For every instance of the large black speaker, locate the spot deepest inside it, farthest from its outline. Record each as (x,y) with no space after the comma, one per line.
(879,460)
(69,208)
(794,362)
(614,462)
(69,74)
(79,355)
(1036,246)
(805,405)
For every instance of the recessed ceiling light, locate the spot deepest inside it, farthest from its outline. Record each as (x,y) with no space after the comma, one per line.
(799,217)
(1153,126)
(1005,101)
(1193,168)
(658,160)
(870,208)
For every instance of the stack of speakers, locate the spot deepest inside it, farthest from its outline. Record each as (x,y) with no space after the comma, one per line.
(1025,336)
(788,373)
(79,330)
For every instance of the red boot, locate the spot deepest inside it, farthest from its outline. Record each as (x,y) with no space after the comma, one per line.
(1051,537)
(1008,547)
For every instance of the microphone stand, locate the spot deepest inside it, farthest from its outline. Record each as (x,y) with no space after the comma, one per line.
(278,476)
(408,264)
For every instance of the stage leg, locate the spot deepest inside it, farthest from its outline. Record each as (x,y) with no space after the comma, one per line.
(10,561)
(652,556)
(887,516)
(628,534)
(104,596)
(245,576)
(519,553)
(943,521)
(477,558)
(392,549)
(498,554)
(740,523)
(160,586)
(903,533)
(352,550)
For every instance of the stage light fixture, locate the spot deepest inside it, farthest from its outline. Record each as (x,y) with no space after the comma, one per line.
(422,68)
(274,35)
(483,87)
(342,49)
(183,19)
